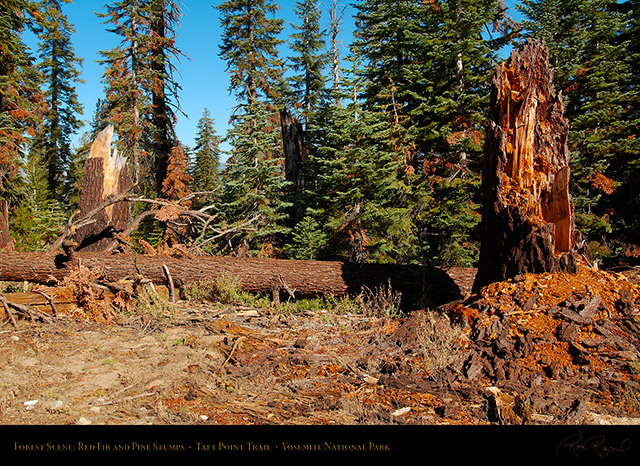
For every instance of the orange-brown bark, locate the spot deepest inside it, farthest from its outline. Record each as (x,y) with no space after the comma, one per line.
(528,218)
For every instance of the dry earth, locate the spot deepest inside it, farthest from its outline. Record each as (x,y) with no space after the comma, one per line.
(549,349)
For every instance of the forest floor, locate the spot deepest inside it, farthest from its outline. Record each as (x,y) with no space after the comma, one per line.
(541,349)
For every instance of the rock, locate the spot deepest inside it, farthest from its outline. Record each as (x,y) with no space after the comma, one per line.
(401,411)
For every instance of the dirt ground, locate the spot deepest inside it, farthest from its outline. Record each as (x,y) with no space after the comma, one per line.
(207,364)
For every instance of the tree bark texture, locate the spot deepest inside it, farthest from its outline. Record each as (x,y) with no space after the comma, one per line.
(418,285)
(294,155)
(5,236)
(105,174)
(528,221)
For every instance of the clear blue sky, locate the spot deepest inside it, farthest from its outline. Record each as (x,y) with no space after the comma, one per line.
(202,75)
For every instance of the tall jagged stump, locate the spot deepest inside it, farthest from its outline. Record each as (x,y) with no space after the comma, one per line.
(528,216)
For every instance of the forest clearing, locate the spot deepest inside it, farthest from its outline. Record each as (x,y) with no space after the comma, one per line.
(371,254)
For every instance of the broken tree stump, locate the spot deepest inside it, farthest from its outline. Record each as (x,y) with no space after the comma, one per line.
(295,156)
(105,174)
(528,221)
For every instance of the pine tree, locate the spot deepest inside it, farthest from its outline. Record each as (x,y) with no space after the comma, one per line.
(254,181)
(21,100)
(206,166)
(309,60)
(59,66)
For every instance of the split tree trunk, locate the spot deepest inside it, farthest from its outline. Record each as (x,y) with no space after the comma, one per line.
(528,218)
(305,278)
(105,174)
(294,156)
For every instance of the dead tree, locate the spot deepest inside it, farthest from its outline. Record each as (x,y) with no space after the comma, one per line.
(266,276)
(105,174)
(528,223)
(294,156)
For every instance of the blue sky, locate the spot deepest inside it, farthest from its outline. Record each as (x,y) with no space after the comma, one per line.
(202,75)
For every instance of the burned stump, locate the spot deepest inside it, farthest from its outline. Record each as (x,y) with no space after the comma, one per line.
(295,156)
(105,174)
(528,221)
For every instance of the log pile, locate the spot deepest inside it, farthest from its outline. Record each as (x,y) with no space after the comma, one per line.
(527,218)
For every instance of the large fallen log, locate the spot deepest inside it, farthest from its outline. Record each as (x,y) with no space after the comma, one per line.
(419,285)
(528,223)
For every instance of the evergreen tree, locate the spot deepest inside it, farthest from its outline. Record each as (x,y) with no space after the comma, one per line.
(39,218)
(21,100)
(59,66)
(176,183)
(428,73)
(357,210)
(165,17)
(206,166)
(309,60)
(127,78)
(254,181)
(250,48)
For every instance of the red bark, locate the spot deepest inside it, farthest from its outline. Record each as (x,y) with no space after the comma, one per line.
(528,217)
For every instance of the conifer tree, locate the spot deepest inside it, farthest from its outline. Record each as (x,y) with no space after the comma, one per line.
(176,183)
(59,66)
(21,100)
(141,91)
(127,76)
(356,195)
(428,75)
(206,166)
(309,60)
(254,181)
(165,18)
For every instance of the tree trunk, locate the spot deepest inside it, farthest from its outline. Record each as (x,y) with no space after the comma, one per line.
(432,286)
(5,236)
(294,157)
(105,174)
(528,221)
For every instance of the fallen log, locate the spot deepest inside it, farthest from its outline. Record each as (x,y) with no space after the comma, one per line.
(528,220)
(424,286)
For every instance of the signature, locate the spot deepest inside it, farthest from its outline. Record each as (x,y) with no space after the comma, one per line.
(597,444)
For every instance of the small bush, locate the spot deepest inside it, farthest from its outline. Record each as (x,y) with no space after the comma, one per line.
(381,302)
